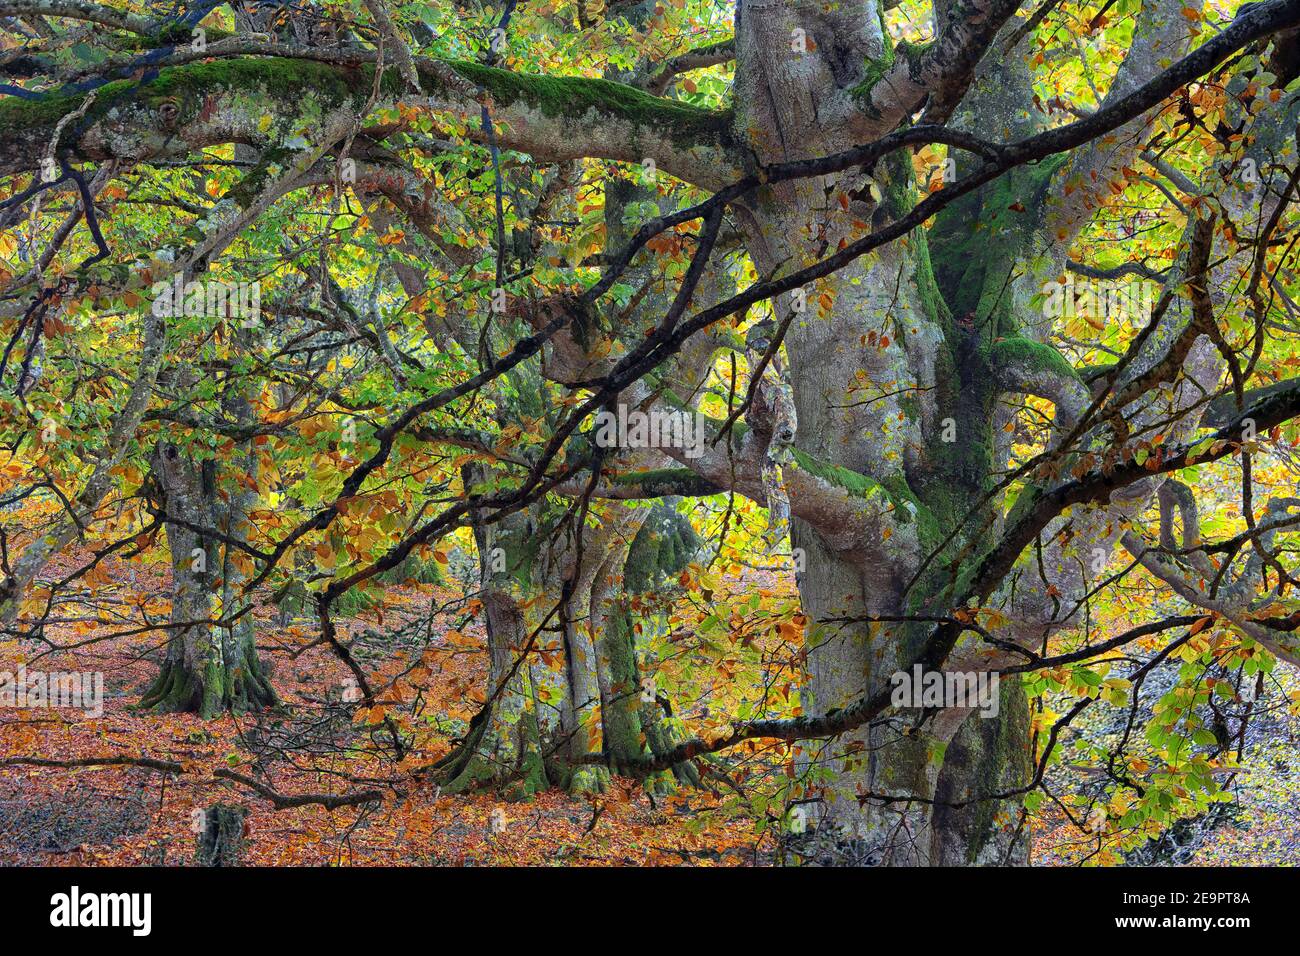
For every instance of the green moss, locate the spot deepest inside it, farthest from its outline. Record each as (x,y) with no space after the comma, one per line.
(936,309)
(298,81)
(634,730)
(280,78)
(587,780)
(653,476)
(190,85)
(358,601)
(532,769)
(571,96)
(906,505)
(471,767)
(1035,356)
(965,288)
(466,768)
(477,771)
(982,237)
(413,568)
(663,546)
(171,691)
(271,162)
(1025,500)
(913,53)
(665,482)
(172,34)
(1002,764)
(621,717)
(254,685)
(875,69)
(894,489)
(661,739)
(520,549)
(214,684)
(851,481)
(898,194)
(17,114)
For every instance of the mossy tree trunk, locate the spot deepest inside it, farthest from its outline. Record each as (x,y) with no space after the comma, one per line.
(899,364)
(892,381)
(568,709)
(232,506)
(206,669)
(637,713)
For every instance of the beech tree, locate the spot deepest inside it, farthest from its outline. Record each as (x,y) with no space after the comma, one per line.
(978,351)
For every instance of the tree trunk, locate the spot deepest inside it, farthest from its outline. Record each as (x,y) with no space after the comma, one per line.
(637,713)
(207,669)
(503,746)
(222,840)
(546,726)
(887,384)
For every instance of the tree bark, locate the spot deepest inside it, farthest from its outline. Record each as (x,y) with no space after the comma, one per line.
(206,669)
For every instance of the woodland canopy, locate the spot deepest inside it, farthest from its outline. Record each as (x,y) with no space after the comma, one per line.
(652,432)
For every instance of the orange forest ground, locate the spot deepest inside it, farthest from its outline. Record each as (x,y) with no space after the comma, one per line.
(130,816)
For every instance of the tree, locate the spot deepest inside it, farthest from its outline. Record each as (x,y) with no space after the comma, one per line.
(958,469)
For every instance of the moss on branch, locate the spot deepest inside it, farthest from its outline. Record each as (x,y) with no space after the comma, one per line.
(1031,358)
(575,97)
(190,85)
(906,506)
(875,69)
(291,83)
(660,482)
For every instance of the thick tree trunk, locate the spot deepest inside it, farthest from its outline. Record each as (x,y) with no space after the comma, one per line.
(893,394)
(503,746)
(985,756)
(655,544)
(206,669)
(568,726)
(875,784)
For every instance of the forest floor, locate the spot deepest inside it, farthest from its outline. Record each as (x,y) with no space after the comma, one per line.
(132,815)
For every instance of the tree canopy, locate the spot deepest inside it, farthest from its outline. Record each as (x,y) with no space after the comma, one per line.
(876,420)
